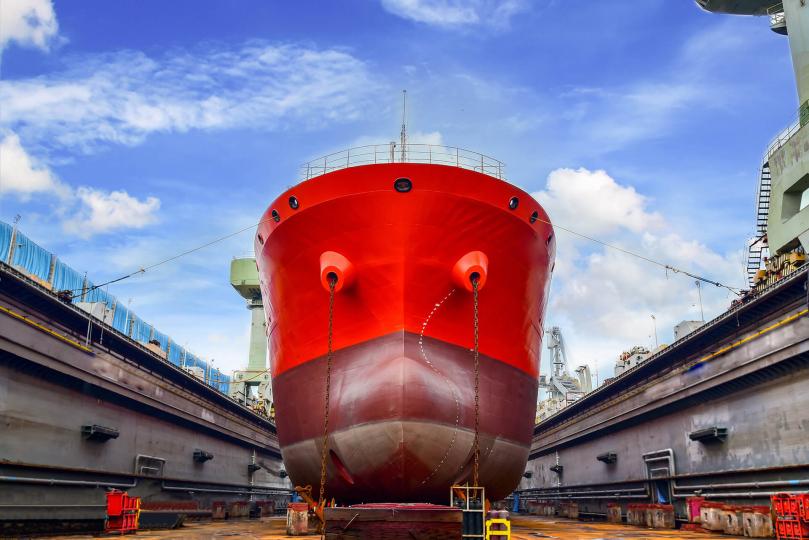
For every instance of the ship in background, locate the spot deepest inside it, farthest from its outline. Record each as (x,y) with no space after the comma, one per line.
(404,230)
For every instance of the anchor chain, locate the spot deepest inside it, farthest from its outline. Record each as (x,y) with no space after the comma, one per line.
(330,354)
(476,356)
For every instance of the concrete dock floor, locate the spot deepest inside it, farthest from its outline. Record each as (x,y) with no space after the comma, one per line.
(523,528)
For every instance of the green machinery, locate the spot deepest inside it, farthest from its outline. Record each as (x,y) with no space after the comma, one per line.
(252,386)
(782,226)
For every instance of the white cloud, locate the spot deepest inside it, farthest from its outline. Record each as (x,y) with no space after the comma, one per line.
(425,137)
(596,203)
(29,23)
(103,212)
(456,13)
(602,298)
(86,211)
(22,176)
(124,96)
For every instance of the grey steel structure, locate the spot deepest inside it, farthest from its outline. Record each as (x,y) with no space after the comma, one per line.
(85,408)
(722,413)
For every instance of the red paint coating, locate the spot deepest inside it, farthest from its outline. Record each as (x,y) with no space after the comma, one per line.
(473,265)
(404,247)
(403,428)
(402,376)
(335,266)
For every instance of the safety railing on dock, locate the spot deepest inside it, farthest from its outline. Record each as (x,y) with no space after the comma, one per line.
(48,271)
(782,138)
(433,154)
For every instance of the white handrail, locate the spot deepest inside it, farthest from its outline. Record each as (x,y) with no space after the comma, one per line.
(434,154)
(782,138)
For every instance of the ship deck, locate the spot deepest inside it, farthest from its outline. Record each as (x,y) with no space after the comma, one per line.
(523,528)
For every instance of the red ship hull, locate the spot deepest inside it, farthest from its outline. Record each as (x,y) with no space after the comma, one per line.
(402,395)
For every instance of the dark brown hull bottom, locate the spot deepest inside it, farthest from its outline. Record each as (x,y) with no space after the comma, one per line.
(402,421)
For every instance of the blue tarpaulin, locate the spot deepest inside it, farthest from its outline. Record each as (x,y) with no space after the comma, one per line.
(192,360)
(5,240)
(34,260)
(121,318)
(224,382)
(141,331)
(31,257)
(67,279)
(98,295)
(162,338)
(176,354)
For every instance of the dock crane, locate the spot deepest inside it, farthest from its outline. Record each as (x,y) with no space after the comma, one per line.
(561,388)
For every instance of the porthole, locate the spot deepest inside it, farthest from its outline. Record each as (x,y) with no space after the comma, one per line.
(403,185)
(513,203)
(534,217)
(293,203)
(276,216)
(260,241)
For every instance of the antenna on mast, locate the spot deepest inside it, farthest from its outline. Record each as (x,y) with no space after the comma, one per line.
(403,135)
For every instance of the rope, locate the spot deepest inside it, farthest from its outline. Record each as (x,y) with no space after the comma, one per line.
(667,267)
(325,447)
(476,356)
(142,270)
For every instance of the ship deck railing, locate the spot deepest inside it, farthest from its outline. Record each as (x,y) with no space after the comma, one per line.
(434,154)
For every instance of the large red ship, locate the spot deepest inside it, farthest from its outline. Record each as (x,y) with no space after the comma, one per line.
(403,232)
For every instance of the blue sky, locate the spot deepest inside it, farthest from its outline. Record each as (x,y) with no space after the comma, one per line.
(133,130)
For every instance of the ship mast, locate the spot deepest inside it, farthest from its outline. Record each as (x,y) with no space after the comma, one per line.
(403,134)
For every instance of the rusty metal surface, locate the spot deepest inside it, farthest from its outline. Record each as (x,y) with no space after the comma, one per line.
(402,429)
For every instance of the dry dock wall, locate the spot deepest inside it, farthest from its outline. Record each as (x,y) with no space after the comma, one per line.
(51,386)
(745,373)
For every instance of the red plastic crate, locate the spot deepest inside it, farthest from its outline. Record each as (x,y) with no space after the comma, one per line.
(803,505)
(791,529)
(786,505)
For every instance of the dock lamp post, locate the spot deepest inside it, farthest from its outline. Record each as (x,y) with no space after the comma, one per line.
(654,325)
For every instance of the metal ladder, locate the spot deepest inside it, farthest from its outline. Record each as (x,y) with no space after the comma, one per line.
(757,248)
